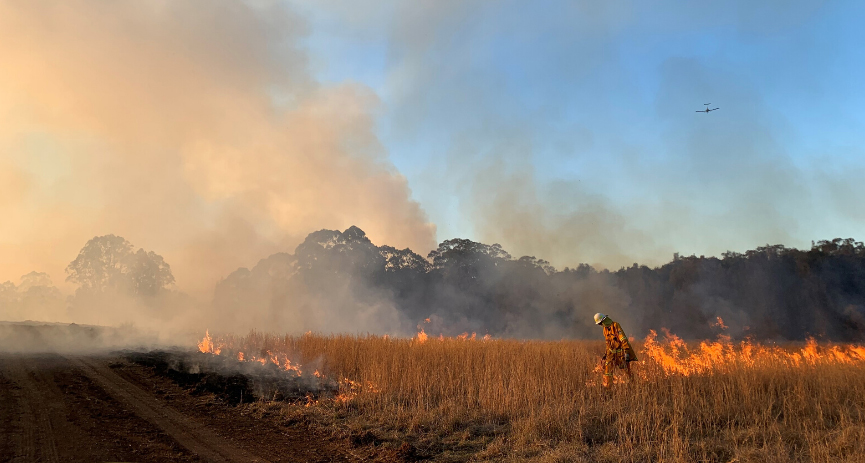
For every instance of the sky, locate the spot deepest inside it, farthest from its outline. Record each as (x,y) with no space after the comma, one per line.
(215,133)
(568,130)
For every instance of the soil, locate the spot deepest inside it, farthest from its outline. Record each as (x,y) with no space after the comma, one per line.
(89,408)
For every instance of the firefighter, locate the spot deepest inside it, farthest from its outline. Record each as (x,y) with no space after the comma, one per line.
(619,351)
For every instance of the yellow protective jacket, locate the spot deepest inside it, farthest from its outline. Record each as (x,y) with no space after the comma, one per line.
(617,344)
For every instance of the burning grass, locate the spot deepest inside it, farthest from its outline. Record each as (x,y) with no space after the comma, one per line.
(454,399)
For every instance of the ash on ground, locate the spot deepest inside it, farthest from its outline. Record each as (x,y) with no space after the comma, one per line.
(233,380)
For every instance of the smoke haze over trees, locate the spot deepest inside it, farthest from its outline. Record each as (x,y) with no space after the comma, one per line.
(35,295)
(211,108)
(108,263)
(117,284)
(341,281)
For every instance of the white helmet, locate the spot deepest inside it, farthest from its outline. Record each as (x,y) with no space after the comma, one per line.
(599,317)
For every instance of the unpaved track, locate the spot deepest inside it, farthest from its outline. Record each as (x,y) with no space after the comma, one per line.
(52,411)
(37,441)
(68,409)
(190,434)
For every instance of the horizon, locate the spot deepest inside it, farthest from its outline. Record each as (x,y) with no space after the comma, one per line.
(65,285)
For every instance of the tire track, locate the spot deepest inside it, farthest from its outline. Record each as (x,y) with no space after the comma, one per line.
(36,439)
(187,432)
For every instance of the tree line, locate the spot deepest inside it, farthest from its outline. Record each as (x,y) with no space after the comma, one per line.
(771,292)
(341,280)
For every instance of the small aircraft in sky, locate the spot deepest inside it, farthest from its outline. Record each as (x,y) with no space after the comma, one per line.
(707,108)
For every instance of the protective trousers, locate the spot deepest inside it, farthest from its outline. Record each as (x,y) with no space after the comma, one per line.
(615,359)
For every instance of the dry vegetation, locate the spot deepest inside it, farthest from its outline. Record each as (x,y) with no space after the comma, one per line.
(458,400)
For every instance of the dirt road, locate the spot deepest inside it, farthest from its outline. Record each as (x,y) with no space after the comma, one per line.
(57,408)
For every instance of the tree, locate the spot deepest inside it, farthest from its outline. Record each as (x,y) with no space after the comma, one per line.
(101,264)
(35,279)
(532,262)
(148,273)
(108,263)
(331,252)
(462,252)
(403,260)
(8,297)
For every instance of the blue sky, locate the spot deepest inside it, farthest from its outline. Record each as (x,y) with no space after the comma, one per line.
(595,105)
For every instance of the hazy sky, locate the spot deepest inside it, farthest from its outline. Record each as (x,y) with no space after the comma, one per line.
(568,129)
(215,133)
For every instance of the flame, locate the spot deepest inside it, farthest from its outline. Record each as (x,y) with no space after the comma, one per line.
(675,357)
(672,356)
(280,360)
(288,366)
(422,336)
(720,324)
(348,389)
(207,346)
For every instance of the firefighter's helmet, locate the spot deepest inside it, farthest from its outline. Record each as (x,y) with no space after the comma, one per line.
(599,317)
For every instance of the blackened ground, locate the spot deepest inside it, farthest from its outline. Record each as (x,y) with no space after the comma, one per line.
(233,381)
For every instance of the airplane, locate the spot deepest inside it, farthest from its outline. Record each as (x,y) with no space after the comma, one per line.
(707,108)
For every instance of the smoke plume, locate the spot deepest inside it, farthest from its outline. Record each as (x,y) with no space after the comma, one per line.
(193,128)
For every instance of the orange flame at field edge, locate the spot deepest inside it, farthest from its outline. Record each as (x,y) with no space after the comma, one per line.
(674,356)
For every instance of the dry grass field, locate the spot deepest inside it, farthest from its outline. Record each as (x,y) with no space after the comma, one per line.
(463,399)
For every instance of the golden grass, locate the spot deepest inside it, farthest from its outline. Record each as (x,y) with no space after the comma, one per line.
(456,400)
